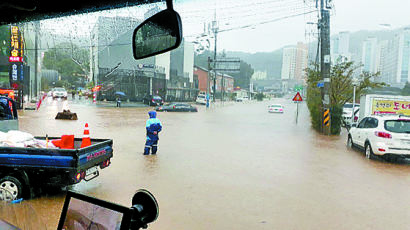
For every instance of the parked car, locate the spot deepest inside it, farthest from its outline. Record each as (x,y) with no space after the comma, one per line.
(382,135)
(153,100)
(59,93)
(201,99)
(275,108)
(176,107)
(348,111)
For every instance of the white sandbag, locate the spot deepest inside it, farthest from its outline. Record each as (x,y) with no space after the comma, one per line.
(3,136)
(18,136)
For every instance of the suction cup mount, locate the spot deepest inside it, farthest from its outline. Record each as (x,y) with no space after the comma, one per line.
(145,209)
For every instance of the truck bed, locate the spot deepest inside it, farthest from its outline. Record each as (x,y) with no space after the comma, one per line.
(59,158)
(56,167)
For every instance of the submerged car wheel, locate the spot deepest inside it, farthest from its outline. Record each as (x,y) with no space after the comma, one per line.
(369,151)
(349,142)
(10,188)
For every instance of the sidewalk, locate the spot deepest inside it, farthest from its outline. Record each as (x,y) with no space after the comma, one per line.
(123,104)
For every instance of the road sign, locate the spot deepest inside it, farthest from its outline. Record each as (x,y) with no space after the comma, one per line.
(297,97)
(230,64)
(320,84)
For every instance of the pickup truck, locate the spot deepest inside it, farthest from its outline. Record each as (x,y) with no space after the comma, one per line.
(24,169)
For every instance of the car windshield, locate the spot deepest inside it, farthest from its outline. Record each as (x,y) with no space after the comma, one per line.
(223,160)
(397,126)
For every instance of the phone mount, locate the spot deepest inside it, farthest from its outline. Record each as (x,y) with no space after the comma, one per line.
(144,209)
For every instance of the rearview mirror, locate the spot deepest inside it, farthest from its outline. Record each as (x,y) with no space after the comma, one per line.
(158,34)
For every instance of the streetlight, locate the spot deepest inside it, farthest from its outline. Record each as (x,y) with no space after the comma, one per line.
(355,82)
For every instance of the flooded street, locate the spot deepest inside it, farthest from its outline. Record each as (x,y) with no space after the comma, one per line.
(230,167)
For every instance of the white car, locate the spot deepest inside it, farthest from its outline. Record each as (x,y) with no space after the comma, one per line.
(347,112)
(59,93)
(275,108)
(201,99)
(382,135)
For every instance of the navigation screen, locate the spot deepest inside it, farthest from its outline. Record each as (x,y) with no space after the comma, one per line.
(83,215)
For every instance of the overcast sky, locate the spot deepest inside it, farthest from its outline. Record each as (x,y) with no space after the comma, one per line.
(347,15)
(267,23)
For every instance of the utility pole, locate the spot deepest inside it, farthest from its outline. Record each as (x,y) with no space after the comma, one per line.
(36,61)
(208,82)
(324,26)
(215,30)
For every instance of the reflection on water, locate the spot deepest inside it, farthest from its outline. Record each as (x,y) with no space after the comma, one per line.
(22,215)
(151,164)
(233,167)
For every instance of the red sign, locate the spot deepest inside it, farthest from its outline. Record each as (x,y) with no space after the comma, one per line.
(297,97)
(15,59)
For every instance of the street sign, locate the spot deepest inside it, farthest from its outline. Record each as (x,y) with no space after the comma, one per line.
(230,64)
(297,97)
(320,84)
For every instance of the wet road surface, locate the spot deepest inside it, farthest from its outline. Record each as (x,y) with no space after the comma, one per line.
(231,167)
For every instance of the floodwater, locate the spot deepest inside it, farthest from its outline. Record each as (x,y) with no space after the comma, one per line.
(229,167)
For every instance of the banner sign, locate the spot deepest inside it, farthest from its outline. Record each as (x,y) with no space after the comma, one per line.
(391,107)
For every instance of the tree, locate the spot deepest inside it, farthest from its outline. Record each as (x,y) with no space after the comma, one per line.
(341,91)
(243,78)
(69,60)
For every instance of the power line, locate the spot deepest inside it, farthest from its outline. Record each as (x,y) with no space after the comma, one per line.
(238,6)
(270,21)
(241,15)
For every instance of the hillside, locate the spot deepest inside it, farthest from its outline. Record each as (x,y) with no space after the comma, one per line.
(271,62)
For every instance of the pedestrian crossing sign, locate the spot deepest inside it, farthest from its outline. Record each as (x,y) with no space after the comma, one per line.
(297,97)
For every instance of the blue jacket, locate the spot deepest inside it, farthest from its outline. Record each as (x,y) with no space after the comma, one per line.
(153,124)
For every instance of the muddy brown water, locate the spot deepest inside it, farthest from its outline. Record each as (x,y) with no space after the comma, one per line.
(230,167)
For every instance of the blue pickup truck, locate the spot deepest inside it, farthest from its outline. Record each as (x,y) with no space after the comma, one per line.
(22,170)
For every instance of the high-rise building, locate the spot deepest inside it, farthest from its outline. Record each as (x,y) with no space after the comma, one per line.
(301,60)
(339,47)
(294,62)
(288,63)
(403,74)
(393,59)
(369,51)
(382,54)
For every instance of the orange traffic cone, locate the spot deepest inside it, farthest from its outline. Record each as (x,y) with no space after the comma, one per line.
(86,137)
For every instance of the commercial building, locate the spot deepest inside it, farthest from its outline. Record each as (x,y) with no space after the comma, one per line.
(182,85)
(169,75)
(15,62)
(224,82)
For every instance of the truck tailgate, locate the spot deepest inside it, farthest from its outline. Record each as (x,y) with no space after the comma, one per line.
(94,155)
